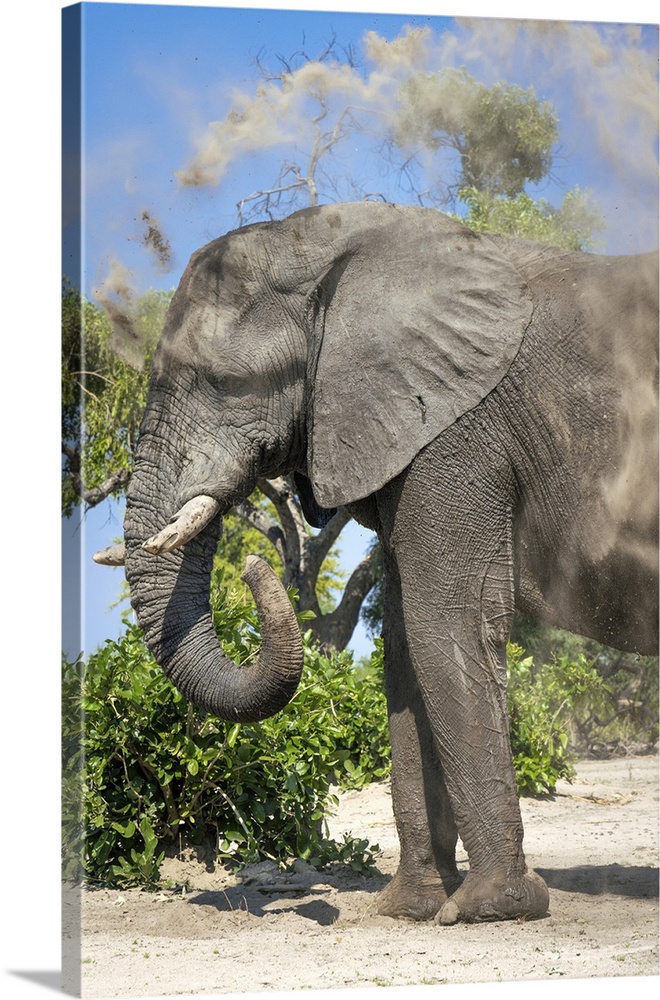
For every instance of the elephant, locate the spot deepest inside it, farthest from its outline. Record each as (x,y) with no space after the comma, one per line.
(488,406)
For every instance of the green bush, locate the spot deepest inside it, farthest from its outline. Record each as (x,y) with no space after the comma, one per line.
(143,769)
(542,701)
(623,712)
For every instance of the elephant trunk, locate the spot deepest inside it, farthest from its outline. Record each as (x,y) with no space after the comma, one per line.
(170,595)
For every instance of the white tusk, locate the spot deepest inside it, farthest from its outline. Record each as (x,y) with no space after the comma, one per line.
(113,555)
(186,523)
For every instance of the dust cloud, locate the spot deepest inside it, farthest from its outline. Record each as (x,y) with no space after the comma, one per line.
(612,79)
(623,328)
(278,111)
(156,242)
(600,77)
(116,295)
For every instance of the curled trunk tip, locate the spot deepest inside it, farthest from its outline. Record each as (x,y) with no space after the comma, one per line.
(170,596)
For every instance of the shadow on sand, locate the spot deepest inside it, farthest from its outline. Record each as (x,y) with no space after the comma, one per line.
(635,882)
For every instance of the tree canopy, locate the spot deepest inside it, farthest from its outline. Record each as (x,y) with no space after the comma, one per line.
(103,396)
(571,226)
(503,135)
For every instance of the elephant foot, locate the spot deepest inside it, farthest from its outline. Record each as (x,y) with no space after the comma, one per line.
(417,898)
(481,899)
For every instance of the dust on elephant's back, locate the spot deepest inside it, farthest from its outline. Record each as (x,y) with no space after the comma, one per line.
(619,326)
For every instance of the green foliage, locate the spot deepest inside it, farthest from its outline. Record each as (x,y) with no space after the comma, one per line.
(571,226)
(150,769)
(353,852)
(103,397)
(503,134)
(624,712)
(240,540)
(541,702)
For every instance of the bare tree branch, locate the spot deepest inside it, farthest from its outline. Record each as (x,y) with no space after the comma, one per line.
(262,522)
(281,493)
(94,495)
(335,629)
(304,554)
(318,546)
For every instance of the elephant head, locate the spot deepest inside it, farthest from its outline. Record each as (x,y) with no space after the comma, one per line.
(334,344)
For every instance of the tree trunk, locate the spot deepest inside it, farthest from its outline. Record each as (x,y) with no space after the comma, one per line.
(302,555)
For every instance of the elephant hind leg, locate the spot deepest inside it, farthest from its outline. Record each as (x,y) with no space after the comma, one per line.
(427,873)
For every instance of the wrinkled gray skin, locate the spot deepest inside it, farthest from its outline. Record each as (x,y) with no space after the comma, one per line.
(489,407)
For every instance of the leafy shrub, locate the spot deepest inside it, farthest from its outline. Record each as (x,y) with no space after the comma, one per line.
(542,700)
(621,713)
(144,769)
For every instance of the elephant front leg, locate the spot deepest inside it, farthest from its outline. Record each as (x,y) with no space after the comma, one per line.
(457,610)
(427,874)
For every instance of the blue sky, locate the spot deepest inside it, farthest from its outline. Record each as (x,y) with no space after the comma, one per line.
(155,76)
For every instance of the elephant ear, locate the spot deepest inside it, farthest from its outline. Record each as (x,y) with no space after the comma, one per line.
(418,320)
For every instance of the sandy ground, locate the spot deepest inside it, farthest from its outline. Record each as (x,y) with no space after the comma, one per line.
(595,843)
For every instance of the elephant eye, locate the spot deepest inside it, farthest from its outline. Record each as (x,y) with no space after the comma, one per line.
(224,382)
(216,381)
(232,376)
